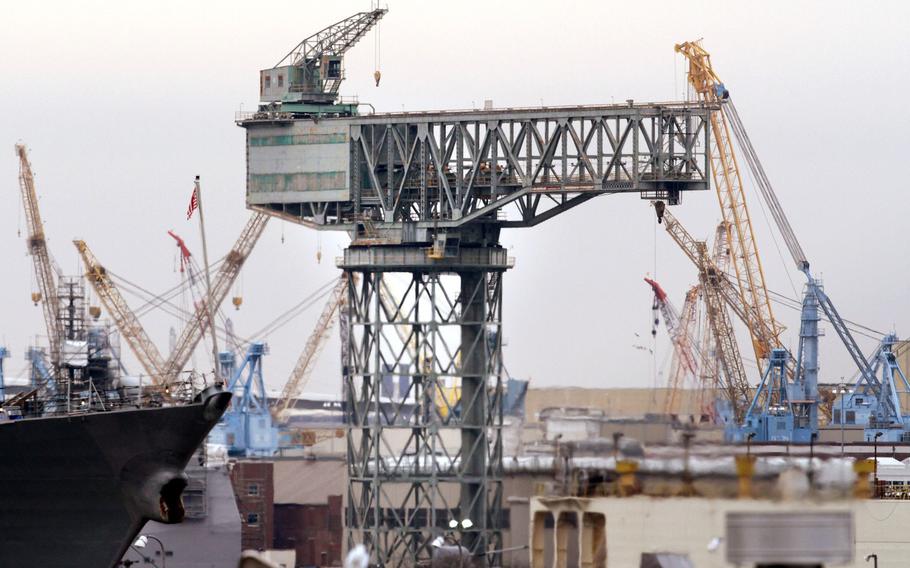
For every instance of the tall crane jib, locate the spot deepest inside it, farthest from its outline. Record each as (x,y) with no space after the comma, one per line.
(46,272)
(126,321)
(221,285)
(307,79)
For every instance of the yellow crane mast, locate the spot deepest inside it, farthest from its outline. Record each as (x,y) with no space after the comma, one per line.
(304,367)
(124,318)
(221,285)
(45,270)
(731,197)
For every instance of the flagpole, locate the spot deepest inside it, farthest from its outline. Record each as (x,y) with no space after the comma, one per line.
(210,309)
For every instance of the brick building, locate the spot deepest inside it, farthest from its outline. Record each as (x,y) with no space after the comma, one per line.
(254,490)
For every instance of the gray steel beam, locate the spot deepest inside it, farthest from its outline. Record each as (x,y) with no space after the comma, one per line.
(444,170)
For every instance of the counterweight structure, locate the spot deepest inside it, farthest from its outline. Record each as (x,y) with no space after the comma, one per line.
(424,197)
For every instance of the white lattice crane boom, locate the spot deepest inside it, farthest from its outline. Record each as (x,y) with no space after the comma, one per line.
(46,272)
(124,318)
(686,355)
(679,326)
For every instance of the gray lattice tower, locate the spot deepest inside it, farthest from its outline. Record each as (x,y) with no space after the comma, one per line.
(430,452)
(424,197)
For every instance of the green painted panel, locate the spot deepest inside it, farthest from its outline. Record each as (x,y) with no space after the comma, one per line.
(299,139)
(310,181)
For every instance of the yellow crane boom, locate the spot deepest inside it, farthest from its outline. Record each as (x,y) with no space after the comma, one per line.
(750,278)
(749,315)
(124,318)
(300,375)
(719,293)
(221,285)
(45,273)
(735,383)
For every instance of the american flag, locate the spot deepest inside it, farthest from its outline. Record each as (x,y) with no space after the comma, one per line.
(194,204)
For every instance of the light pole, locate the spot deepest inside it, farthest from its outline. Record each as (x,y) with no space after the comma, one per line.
(842,391)
(875,464)
(143,541)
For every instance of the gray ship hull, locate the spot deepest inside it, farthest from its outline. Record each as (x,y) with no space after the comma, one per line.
(76,490)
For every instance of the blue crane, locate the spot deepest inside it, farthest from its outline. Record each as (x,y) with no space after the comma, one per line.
(247,424)
(875,402)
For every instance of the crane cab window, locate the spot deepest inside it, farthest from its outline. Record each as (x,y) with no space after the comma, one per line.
(334,70)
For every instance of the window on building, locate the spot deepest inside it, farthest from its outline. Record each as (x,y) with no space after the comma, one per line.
(268,81)
(252,519)
(851,417)
(252,489)
(280,80)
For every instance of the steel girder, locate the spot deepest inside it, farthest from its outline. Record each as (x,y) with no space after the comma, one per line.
(447,169)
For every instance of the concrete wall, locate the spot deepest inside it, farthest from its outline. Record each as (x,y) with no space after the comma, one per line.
(615,403)
(687,526)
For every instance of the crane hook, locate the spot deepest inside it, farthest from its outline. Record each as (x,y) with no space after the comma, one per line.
(659,208)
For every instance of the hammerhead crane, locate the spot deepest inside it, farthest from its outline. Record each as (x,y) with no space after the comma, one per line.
(46,272)
(331,312)
(124,318)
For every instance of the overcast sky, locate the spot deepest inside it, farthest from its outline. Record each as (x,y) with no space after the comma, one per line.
(122,103)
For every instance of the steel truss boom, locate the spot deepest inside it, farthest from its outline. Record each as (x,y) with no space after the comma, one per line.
(793,245)
(124,318)
(445,170)
(315,56)
(731,196)
(735,383)
(221,285)
(46,273)
(719,293)
(304,367)
(726,289)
